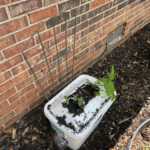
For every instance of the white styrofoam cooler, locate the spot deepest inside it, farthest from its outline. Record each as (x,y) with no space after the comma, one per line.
(73,139)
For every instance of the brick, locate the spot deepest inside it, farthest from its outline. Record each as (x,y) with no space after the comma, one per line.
(7,94)
(92,28)
(81,54)
(5,76)
(89,15)
(1,57)
(84,32)
(22,113)
(7,41)
(96,3)
(68,5)
(13,25)
(85,45)
(117,14)
(109,12)
(100,35)
(131,1)
(27,81)
(142,1)
(10,63)
(105,7)
(19,94)
(96,19)
(50,2)
(2,2)
(21,107)
(122,5)
(16,49)
(4,104)
(80,10)
(85,1)
(48,34)
(70,24)
(3,14)
(57,20)
(108,25)
(13,82)
(36,50)
(11,107)
(101,23)
(24,7)
(43,14)
(7,117)
(37,102)
(87,55)
(116,2)
(23,34)
(32,99)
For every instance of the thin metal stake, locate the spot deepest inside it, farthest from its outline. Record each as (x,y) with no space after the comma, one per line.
(66,49)
(57,52)
(74,47)
(46,60)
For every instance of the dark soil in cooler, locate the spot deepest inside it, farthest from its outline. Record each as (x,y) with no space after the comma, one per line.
(84,91)
(131,61)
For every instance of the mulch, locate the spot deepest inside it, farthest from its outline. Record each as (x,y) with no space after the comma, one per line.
(131,61)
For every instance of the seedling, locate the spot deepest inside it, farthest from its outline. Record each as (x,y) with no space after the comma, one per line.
(127,97)
(95,86)
(135,40)
(79,100)
(67,101)
(115,102)
(128,65)
(144,61)
(121,79)
(122,92)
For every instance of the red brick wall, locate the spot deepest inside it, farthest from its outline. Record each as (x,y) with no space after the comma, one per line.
(19,92)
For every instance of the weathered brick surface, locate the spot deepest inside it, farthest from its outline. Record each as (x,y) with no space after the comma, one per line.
(19,91)
(43,14)
(3,14)
(24,7)
(7,41)
(97,3)
(16,49)
(13,25)
(2,2)
(23,34)
(68,5)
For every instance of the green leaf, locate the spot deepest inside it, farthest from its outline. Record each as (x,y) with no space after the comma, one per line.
(67,101)
(75,97)
(88,81)
(80,99)
(79,103)
(112,74)
(97,93)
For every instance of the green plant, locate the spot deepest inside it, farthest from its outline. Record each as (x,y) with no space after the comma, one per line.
(147,147)
(79,100)
(144,61)
(128,97)
(95,86)
(67,101)
(107,83)
(115,102)
(135,40)
(122,92)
